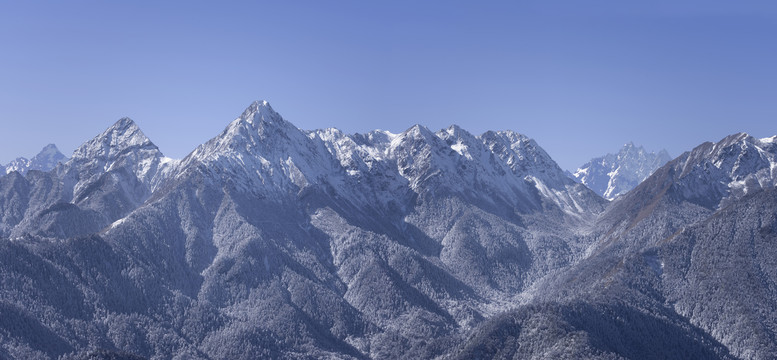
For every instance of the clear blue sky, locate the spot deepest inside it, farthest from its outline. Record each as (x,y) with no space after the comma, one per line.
(580,77)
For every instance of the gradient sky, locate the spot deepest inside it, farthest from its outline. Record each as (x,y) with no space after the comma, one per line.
(580,77)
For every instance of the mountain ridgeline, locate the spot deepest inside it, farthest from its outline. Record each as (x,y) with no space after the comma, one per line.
(269,241)
(46,160)
(615,174)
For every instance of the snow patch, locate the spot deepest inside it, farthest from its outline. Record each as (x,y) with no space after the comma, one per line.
(769,140)
(462,149)
(118,222)
(580,172)
(164,160)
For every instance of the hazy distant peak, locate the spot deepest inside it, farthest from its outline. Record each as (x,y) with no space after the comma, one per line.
(49,149)
(614,174)
(45,160)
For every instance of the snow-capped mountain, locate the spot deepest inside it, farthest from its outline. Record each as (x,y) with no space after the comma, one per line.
(121,146)
(106,178)
(615,174)
(45,160)
(686,251)
(269,241)
(729,169)
(706,178)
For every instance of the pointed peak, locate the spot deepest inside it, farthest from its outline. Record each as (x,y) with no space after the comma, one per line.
(418,129)
(123,134)
(259,104)
(257,107)
(258,129)
(454,131)
(260,114)
(125,128)
(124,123)
(47,158)
(49,151)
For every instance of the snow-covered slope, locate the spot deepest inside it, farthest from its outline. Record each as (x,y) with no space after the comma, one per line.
(615,174)
(45,160)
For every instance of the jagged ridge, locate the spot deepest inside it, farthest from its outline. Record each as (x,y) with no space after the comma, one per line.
(613,175)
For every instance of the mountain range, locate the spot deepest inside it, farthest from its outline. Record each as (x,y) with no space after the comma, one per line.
(46,160)
(269,241)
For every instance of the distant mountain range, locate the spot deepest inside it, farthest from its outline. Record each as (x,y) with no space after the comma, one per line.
(269,241)
(615,174)
(46,160)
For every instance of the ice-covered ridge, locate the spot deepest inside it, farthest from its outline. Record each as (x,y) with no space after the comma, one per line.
(264,153)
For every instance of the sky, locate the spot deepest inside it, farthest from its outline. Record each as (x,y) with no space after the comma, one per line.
(580,77)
